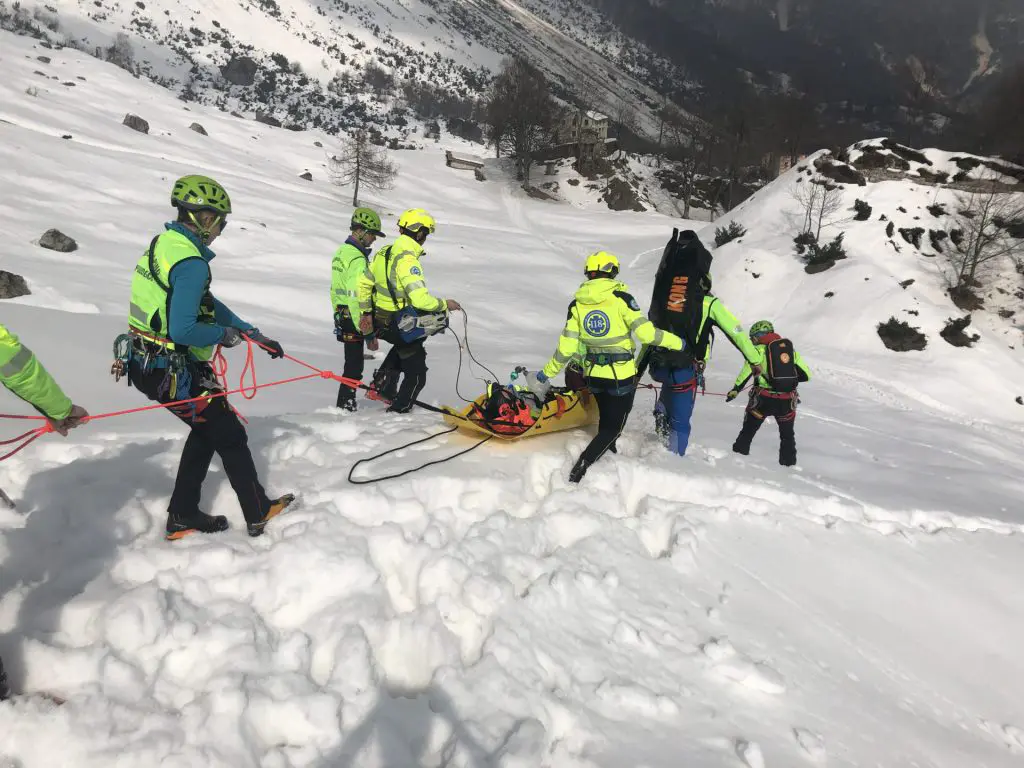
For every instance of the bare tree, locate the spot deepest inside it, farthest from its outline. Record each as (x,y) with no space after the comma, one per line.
(625,118)
(121,53)
(521,114)
(685,147)
(361,162)
(820,201)
(987,227)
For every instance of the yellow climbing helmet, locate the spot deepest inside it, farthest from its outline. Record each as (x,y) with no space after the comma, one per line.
(416,219)
(603,262)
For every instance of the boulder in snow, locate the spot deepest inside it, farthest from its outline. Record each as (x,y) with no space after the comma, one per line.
(241,70)
(307,176)
(12,286)
(55,240)
(136,123)
(263,117)
(198,129)
(44,59)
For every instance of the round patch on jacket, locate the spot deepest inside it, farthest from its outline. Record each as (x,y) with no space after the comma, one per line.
(784,357)
(596,323)
(416,271)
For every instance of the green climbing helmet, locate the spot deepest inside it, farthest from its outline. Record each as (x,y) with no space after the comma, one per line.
(760,328)
(368,219)
(200,193)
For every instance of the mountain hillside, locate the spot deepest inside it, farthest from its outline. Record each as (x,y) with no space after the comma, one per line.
(714,611)
(346,63)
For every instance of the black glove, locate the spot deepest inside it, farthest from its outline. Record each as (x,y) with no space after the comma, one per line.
(270,346)
(232,338)
(733,394)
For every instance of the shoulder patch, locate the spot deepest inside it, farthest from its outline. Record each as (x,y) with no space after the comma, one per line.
(628,298)
(416,271)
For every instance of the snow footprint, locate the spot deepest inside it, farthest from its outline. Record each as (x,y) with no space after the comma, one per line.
(750,753)
(1014,737)
(736,667)
(811,743)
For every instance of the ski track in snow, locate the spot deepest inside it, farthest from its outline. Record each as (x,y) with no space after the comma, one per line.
(710,611)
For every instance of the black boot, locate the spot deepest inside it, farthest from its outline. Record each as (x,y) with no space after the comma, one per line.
(740,448)
(276,508)
(346,399)
(385,384)
(180,526)
(579,470)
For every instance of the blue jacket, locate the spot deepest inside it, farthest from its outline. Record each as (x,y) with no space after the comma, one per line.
(188,282)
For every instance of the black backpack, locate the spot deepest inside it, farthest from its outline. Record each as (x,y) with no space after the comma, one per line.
(677,302)
(780,366)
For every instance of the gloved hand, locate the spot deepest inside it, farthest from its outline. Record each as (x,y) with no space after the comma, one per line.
(372,344)
(232,337)
(366,324)
(453,305)
(270,346)
(77,417)
(538,384)
(733,394)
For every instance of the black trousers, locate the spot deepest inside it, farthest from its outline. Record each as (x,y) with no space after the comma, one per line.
(354,362)
(408,358)
(760,408)
(215,429)
(614,411)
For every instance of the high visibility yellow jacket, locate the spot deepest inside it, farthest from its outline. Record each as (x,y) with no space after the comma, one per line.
(602,319)
(150,309)
(26,377)
(350,262)
(396,272)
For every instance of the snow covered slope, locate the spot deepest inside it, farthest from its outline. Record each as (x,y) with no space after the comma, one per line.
(711,611)
(305,63)
(885,275)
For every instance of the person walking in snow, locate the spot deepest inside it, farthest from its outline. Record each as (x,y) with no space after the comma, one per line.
(393,298)
(350,262)
(25,376)
(175,324)
(678,373)
(602,319)
(774,392)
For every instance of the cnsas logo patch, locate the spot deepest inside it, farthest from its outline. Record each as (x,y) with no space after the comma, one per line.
(596,323)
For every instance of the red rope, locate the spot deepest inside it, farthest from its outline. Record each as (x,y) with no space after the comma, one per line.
(219,364)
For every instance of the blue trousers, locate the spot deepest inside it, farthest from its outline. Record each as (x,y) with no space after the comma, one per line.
(675,404)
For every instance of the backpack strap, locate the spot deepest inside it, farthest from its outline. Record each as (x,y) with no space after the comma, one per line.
(387,278)
(706,333)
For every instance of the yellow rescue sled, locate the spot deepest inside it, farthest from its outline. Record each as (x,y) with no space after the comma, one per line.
(509,415)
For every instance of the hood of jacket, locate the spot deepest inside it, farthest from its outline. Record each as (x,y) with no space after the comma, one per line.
(598,290)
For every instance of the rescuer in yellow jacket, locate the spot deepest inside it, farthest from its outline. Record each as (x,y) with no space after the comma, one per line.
(601,323)
(394,300)
(25,376)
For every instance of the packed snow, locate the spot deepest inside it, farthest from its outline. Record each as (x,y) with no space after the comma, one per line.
(707,611)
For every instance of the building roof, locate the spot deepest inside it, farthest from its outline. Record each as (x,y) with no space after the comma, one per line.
(596,115)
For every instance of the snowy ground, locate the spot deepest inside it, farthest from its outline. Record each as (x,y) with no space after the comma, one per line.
(860,610)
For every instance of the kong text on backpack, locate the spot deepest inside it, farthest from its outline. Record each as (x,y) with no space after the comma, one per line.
(677,302)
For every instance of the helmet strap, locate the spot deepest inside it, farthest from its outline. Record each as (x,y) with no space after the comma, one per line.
(204,233)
